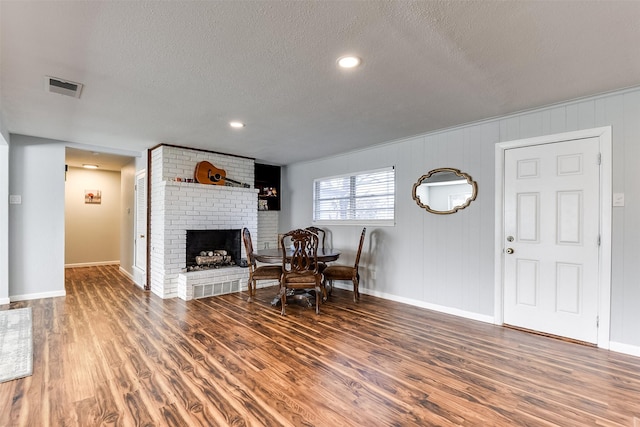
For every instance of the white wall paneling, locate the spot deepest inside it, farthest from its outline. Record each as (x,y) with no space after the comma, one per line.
(446,262)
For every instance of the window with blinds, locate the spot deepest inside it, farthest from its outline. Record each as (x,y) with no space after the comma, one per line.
(358,198)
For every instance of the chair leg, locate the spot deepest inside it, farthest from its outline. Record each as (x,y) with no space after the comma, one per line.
(249,283)
(283,299)
(318,293)
(356,291)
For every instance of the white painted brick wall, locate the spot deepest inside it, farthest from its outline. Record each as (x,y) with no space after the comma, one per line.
(267,230)
(181,163)
(180,206)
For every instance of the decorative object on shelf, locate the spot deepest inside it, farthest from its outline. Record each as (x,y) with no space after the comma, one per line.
(444,191)
(206,173)
(269,192)
(93,197)
(267,181)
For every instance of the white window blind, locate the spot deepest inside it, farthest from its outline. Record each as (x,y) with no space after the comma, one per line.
(363,198)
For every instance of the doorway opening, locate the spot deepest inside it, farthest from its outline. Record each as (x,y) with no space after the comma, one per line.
(99,209)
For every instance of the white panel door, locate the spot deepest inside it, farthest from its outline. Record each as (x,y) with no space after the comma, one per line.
(140,261)
(551,220)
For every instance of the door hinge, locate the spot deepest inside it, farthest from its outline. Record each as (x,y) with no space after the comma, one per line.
(598,240)
(597,321)
(599,160)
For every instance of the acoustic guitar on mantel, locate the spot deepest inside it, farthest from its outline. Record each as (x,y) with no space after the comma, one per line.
(206,173)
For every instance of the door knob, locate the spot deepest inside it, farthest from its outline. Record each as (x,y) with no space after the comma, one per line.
(509,251)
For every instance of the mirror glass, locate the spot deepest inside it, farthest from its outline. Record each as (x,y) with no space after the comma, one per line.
(444,191)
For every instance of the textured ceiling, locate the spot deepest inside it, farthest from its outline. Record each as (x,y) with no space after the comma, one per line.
(178,72)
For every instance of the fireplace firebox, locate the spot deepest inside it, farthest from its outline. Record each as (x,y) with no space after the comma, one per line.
(213,241)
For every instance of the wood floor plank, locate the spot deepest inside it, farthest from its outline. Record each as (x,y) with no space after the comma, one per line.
(111,354)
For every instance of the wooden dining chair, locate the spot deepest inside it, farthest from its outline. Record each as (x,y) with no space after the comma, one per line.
(320,233)
(300,269)
(263,272)
(321,239)
(346,272)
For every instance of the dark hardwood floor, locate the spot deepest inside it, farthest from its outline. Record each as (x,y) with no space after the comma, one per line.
(111,354)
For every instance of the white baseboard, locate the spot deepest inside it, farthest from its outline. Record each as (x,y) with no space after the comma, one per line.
(435,307)
(613,346)
(631,350)
(4,301)
(91,264)
(126,273)
(40,295)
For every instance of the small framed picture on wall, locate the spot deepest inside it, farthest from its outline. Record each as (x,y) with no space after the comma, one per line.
(93,196)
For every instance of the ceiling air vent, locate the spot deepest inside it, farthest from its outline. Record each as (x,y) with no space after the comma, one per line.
(63,87)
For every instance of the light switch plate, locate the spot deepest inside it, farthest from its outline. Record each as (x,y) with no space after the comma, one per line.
(618,199)
(15,199)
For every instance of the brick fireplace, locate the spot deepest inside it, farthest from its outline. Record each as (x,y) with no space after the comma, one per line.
(178,206)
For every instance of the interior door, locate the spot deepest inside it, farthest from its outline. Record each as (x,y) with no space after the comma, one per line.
(551,232)
(140,262)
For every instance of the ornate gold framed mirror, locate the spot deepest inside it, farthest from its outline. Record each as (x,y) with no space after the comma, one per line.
(444,191)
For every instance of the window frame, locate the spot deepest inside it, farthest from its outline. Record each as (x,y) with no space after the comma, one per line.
(352,198)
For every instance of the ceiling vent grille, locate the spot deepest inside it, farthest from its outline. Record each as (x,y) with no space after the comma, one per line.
(63,87)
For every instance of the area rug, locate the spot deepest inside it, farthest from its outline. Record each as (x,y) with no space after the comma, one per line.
(16,344)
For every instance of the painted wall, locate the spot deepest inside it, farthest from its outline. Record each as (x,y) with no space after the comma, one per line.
(442,262)
(446,262)
(36,226)
(92,230)
(127,217)
(4,220)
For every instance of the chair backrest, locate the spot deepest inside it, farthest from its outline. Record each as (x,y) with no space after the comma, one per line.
(364,230)
(304,256)
(320,233)
(248,246)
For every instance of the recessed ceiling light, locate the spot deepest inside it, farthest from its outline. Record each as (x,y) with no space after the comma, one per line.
(90,166)
(236,125)
(349,61)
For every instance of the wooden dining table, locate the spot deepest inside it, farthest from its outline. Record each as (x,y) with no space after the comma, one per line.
(274,256)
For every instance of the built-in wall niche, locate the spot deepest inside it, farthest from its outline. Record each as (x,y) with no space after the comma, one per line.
(267,180)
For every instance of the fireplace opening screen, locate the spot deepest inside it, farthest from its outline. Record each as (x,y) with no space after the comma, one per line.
(207,249)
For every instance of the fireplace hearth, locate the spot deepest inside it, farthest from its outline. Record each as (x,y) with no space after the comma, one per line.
(207,249)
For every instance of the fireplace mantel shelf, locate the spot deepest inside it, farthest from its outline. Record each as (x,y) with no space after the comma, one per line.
(207,187)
